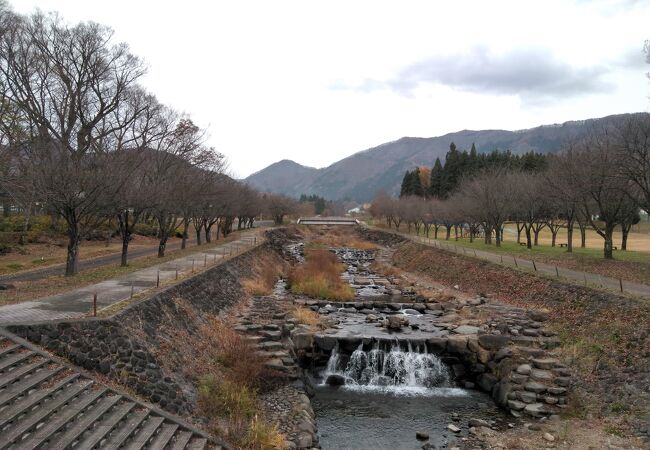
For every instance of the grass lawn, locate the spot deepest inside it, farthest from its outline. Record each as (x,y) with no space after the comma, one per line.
(33,256)
(628,265)
(30,290)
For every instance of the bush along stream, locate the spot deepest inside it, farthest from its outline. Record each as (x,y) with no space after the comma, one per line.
(395,367)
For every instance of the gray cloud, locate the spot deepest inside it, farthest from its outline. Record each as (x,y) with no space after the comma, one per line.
(534,74)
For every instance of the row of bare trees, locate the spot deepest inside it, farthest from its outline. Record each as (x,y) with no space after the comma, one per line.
(600,182)
(81,139)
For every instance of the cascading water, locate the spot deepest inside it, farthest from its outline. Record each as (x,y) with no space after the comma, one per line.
(393,370)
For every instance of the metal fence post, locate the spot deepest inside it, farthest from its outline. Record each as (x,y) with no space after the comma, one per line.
(534,266)
(620,282)
(131,289)
(557,272)
(95,304)
(158,278)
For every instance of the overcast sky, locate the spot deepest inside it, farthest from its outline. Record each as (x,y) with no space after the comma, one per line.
(315,81)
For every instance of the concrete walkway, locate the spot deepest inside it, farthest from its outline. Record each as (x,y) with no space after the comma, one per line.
(79,302)
(587,278)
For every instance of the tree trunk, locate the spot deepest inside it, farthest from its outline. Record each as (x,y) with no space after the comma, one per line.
(198,236)
(161,246)
(498,236)
(625,230)
(72,259)
(186,225)
(529,242)
(28,214)
(435,231)
(54,219)
(519,228)
(448,232)
(126,236)
(6,209)
(536,233)
(583,235)
(553,236)
(208,232)
(609,243)
(569,236)
(456,232)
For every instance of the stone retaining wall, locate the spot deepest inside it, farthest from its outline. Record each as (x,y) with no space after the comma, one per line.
(124,346)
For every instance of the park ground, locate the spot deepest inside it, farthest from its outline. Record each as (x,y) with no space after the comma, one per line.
(630,265)
(50,251)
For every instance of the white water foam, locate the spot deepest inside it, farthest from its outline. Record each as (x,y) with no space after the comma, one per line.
(394,371)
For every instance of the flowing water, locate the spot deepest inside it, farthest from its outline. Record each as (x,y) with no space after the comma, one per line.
(392,391)
(389,370)
(389,395)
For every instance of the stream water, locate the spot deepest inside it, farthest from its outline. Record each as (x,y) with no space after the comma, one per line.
(387,393)
(392,370)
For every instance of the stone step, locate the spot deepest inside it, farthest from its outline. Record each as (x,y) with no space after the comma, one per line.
(106,426)
(9,349)
(89,417)
(197,444)
(14,359)
(43,412)
(145,433)
(163,437)
(11,376)
(181,440)
(19,388)
(52,426)
(132,422)
(30,401)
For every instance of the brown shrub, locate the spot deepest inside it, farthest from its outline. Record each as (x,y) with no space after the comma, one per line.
(230,353)
(320,277)
(266,271)
(307,317)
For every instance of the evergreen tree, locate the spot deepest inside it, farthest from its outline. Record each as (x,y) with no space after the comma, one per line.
(416,184)
(435,189)
(406,185)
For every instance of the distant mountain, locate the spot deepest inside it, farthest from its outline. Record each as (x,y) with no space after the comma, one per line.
(360,176)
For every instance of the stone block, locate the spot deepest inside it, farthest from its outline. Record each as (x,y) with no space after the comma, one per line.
(493,341)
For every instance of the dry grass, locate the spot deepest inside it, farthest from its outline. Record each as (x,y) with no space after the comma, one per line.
(386,270)
(263,436)
(307,317)
(229,377)
(233,354)
(320,277)
(266,272)
(219,397)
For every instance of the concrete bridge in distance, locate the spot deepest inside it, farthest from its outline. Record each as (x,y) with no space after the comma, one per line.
(327,221)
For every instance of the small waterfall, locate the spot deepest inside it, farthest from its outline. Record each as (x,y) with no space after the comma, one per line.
(394,368)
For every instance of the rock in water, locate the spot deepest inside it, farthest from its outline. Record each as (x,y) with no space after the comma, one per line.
(453,428)
(396,323)
(335,380)
(421,436)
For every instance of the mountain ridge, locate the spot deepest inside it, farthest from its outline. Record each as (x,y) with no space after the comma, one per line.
(359,176)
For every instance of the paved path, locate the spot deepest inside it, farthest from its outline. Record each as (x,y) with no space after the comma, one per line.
(79,302)
(591,279)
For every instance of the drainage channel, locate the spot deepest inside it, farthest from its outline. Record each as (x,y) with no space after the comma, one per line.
(377,385)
